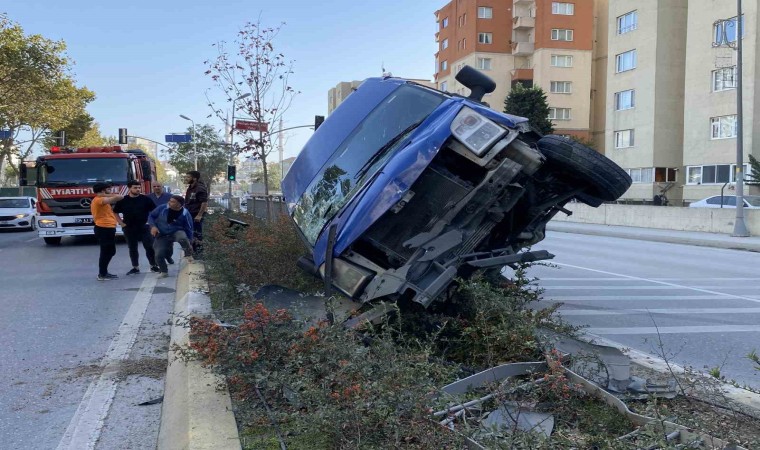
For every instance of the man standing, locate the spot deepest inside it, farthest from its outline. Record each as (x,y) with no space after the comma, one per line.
(134,209)
(105,227)
(170,223)
(196,202)
(158,195)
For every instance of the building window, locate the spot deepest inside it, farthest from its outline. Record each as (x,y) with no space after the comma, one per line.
(444,65)
(444,86)
(712,174)
(561,87)
(724,32)
(444,44)
(723,79)
(559,113)
(625,61)
(484,63)
(664,174)
(464,43)
(723,127)
(624,139)
(485,38)
(565,9)
(625,100)
(445,22)
(559,34)
(462,19)
(562,61)
(642,175)
(628,22)
(485,12)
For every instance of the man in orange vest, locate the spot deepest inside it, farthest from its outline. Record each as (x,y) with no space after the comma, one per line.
(105,227)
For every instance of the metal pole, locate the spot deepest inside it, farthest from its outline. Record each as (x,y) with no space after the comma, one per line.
(740,228)
(232,139)
(195,145)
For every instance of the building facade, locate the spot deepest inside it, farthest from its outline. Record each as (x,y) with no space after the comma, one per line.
(558,46)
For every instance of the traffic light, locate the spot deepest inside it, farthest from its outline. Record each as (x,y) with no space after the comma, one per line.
(231,173)
(122,135)
(61,138)
(318,121)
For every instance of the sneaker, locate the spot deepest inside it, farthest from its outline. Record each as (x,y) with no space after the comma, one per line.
(163,275)
(169,261)
(111,276)
(133,271)
(155,269)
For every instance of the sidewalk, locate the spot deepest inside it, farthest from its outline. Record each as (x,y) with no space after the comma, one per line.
(652,234)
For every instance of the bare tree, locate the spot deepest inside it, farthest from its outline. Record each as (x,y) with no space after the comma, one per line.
(254,67)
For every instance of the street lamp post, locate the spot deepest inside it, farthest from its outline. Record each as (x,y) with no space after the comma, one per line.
(195,143)
(740,228)
(232,147)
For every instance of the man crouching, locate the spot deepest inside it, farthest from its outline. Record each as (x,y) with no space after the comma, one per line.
(170,223)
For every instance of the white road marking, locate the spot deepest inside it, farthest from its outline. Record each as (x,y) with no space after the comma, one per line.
(677,311)
(607,298)
(701,329)
(664,283)
(84,429)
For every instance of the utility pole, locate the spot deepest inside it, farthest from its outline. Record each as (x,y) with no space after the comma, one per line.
(279,138)
(740,227)
(232,147)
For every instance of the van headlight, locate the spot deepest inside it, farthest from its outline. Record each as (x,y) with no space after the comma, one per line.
(476,132)
(47,223)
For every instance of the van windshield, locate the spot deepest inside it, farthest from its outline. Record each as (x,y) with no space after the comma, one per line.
(362,154)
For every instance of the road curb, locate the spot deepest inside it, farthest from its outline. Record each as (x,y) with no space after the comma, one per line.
(655,235)
(196,414)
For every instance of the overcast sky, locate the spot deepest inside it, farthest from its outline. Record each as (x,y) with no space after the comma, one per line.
(144,59)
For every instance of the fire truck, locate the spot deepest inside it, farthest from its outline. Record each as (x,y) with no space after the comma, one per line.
(64,181)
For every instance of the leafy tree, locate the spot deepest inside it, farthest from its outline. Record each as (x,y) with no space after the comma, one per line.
(213,155)
(255,68)
(530,103)
(753,177)
(274,176)
(37,90)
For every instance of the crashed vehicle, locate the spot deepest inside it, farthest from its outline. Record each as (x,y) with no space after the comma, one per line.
(405,188)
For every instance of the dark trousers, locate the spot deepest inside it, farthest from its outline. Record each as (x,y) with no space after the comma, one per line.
(107,239)
(134,235)
(197,236)
(163,244)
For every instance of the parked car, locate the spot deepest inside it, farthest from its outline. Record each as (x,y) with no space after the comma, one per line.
(727,201)
(18,212)
(404,188)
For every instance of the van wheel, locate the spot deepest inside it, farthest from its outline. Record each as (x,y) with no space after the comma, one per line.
(606,181)
(53,240)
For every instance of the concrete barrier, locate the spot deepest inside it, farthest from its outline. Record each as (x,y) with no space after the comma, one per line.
(675,218)
(196,414)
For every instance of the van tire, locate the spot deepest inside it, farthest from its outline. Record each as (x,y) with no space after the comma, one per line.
(606,181)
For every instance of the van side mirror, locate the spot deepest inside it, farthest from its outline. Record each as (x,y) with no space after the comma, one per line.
(478,82)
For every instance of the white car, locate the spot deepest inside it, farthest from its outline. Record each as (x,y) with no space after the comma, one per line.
(18,212)
(728,201)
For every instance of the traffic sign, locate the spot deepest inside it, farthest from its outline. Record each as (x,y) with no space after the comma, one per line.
(5,134)
(179,138)
(251,125)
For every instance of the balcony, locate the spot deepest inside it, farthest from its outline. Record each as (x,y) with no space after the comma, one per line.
(522,74)
(523,48)
(523,23)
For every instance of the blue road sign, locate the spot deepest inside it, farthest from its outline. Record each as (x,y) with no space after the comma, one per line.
(5,134)
(179,138)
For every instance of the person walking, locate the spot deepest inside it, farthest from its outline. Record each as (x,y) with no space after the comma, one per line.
(105,227)
(170,223)
(134,209)
(158,195)
(196,202)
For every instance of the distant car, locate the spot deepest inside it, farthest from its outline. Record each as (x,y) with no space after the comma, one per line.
(403,189)
(728,201)
(18,212)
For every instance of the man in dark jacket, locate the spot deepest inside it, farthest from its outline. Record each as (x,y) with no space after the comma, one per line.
(196,202)
(134,210)
(170,223)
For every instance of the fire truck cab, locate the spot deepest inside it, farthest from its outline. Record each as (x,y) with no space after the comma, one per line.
(64,181)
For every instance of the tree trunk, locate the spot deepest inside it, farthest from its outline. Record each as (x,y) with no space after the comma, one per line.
(266,185)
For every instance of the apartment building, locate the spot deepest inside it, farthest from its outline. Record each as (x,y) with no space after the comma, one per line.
(709,132)
(645,94)
(559,46)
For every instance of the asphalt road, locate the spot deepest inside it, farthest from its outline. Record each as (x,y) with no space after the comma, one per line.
(695,306)
(79,355)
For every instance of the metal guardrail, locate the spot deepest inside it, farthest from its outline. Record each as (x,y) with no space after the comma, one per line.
(255,205)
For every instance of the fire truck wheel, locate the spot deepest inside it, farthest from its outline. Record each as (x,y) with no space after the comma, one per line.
(53,240)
